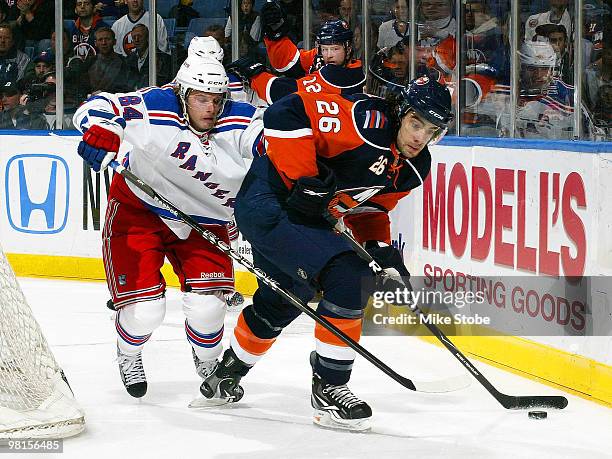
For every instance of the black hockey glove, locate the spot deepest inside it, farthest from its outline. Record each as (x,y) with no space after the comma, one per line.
(311,195)
(388,257)
(398,279)
(273,20)
(246,68)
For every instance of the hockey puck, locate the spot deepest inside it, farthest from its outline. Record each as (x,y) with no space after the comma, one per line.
(537,414)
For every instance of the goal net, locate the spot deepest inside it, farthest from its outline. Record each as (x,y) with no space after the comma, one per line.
(35,399)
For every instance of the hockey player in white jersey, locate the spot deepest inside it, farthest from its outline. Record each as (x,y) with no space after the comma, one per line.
(545,106)
(188,141)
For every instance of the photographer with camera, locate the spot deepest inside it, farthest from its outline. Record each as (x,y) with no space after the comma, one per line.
(37,70)
(15,113)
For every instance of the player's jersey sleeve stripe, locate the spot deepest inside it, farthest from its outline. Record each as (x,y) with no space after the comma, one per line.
(283,53)
(162,122)
(265,86)
(296,134)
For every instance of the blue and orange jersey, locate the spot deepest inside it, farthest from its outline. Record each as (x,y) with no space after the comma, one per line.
(352,135)
(330,79)
(287,59)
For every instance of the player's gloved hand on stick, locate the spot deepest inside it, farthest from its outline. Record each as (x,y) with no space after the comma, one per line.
(246,68)
(273,20)
(398,278)
(388,257)
(310,195)
(101,143)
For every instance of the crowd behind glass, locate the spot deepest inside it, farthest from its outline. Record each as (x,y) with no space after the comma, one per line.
(106,48)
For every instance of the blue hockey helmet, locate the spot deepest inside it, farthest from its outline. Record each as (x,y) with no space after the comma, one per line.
(423,96)
(333,32)
(429,99)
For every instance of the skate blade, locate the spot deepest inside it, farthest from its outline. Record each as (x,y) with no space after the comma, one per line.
(326,420)
(203,402)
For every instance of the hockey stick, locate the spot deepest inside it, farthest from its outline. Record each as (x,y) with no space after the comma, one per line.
(511,402)
(446,385)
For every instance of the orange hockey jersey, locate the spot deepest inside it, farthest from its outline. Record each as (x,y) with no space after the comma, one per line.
(353,136)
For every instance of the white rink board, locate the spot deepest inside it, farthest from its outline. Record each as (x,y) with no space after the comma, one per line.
(537,213)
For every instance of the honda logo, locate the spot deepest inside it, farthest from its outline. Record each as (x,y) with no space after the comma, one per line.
(37,190)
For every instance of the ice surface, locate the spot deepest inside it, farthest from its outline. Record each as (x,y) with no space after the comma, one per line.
(273,420)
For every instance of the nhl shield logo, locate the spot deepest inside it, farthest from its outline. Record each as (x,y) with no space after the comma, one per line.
(302,273)
(122,279)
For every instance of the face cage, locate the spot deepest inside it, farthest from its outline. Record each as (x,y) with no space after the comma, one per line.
(184,94)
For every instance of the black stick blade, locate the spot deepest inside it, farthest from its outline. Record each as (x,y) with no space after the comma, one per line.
(511,402)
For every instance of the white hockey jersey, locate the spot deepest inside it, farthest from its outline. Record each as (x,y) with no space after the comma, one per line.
(123,33)
(201,176)
(546,116)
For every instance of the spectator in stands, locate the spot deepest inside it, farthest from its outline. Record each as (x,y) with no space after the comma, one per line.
(76,66)
(36,20)
(249,25)
(557,14)
(436,21)
(393,31)
(13,62)
(109,70)
(8,11)
(217,32)
(138,60)
(82,29)
(14,114)
(556,35)
(345,10)
(597,75)
(68,50)
(183,12)
(41,65)
(137,15)
(482,32)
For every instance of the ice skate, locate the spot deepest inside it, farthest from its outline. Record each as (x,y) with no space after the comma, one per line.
(132,373)
(336,407)
(204,368)
(221,387)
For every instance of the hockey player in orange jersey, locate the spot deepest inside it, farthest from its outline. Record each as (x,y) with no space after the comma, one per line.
(284,55)
(328,67)
(331,66)
(355,156)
